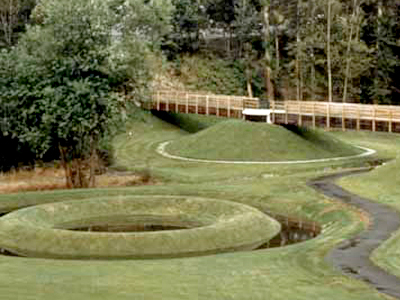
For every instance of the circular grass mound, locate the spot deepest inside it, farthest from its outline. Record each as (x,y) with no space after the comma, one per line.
(213,226)
(236,140)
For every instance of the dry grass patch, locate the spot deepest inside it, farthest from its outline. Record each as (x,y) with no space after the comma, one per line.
(42,179)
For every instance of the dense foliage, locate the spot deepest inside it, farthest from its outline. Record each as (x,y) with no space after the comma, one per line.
(14,15)
(304,49)
(66,80)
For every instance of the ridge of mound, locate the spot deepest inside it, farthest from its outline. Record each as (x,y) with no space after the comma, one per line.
(244,141)
(213,226)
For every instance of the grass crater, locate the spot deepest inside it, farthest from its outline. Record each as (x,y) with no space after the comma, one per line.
(214,226)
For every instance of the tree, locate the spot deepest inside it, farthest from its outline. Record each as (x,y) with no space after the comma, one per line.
(14,15)
(9,10)
(221,13)
(380,32)
(69,76)
(268,49)
(245,25)
(249,64)
(280,25)
(354,17)
(328,49)
(184,36)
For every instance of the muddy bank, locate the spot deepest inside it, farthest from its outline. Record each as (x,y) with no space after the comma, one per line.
(352,256)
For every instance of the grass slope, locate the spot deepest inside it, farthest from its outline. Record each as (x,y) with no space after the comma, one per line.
(237,140)
(188,122)
(215,226)
(297,272)
(382,185)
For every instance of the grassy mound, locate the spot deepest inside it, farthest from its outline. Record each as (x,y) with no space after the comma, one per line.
(188,122)
(213,227)
(237,140)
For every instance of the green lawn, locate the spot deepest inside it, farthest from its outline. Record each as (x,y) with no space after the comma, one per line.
(295,272)
(382,185)
(244,141)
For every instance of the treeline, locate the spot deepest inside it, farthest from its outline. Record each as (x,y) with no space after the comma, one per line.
(330,50)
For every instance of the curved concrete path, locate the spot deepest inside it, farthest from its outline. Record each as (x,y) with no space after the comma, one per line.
(161,150)
(352,256)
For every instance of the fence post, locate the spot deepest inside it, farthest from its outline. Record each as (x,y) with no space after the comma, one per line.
(229,107)
(167,104)
(240,112)
(343,118)
(286,113)
(374,119)
(187,102)
(207,97)
(176,103)
(197,104)
(300,119)
(358,118)
(328,115)
(313,115)
(273,112)
(158,100)
(390,120)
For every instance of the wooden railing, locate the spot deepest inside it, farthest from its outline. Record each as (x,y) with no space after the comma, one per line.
(187,102)
(303,113)
(358,113)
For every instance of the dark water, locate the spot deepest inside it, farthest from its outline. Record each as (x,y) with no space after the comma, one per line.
(127,228)
(293,231)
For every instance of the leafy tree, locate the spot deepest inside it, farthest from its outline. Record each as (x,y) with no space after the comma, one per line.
(245,23)
(14,15)
(380,32)
(221,14)
(68,76)
(184,36)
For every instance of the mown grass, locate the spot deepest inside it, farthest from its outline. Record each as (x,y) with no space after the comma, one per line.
(382,185)
(296,272)
(215,227)
(238,140)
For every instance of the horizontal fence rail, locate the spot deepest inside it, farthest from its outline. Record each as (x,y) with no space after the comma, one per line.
(208,104)
(331,114)
(303,113)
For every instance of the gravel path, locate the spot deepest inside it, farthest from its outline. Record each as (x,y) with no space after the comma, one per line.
(352,256)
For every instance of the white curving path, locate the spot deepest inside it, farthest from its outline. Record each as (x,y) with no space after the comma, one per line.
(161,150)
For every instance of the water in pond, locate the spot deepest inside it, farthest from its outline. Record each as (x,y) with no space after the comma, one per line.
(127,228)
(293,231)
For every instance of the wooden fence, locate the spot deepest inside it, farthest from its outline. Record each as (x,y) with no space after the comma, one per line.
(334,115)
(303,113)
(187,102)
